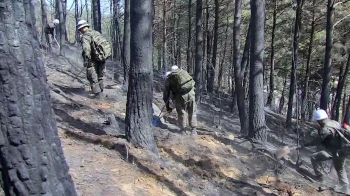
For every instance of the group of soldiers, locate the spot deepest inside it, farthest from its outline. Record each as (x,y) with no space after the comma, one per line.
(179,93)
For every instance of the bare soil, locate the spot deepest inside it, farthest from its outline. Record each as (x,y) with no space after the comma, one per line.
(215,162)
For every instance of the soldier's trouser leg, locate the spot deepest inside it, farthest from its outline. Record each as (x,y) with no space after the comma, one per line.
(192,114)
(316,160)
(180,105)
(101,70)
(93,79)
(339,166)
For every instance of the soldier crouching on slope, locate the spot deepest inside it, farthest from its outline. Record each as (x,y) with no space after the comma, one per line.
(181,84)
(329,138)
(93,61)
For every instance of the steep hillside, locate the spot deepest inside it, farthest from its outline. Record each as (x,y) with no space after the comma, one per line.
(213,163)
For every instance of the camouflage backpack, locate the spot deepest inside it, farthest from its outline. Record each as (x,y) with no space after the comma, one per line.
(181,82)
(101,48)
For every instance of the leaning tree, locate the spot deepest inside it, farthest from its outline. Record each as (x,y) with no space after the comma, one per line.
(31,156)
(140,91)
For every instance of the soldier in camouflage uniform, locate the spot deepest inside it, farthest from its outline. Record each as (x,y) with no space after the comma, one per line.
(184,103)
(333,144)
(95,69)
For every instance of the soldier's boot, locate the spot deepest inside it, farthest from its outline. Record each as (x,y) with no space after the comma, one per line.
(320,180)
(194,132)
(342,189)
(101,84)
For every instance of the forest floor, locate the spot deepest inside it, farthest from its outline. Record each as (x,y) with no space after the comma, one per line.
(213,163)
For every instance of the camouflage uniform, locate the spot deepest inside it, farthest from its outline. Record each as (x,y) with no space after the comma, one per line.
(332,142)
(49,33)
(184,104)
(95,69)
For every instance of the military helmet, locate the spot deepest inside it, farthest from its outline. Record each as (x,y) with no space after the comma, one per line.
(174,68)
(81,24)
(56,22)
(320,115)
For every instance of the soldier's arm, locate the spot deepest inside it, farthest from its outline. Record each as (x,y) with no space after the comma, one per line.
(323,134)
(86,44)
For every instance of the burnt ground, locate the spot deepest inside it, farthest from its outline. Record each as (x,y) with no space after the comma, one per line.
(215,162)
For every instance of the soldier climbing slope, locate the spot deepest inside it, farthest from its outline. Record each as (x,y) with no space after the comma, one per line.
(96,50)
(181,85)
(50,31)
(331,137)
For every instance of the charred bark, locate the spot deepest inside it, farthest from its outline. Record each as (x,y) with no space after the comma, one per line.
(126,40)
(96,15)
(257,124)
(188,51)
(31,157)
(238,69)
(340,87)
(215,47)
(328,56)
(304,98)
(199,55)
(272,58)
(140,92)
(292,89)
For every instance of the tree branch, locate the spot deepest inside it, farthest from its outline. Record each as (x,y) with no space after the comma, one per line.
(334,5)
(339,21)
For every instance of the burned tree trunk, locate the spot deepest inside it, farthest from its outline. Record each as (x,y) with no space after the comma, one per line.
(44,35)
(139,99)
(304,97)
(340,87)
(328,56)
(31,157)
(257,124)
(292,88)
(96,15)
(215,47)
(62,26)
(272,61)
(126,40)
(188,50)
(238,69)
(199,56)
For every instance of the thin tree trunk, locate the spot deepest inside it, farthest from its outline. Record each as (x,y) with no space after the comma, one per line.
(44,23)
(215,46)
(347,113)
(199,55)
(272,60)
(31,156)
(164,52)
(281,103)
(297,26)
(126,41)
(77,18)
(328,56)
(208,44)
(257,124)
(96,15)
(188,55)
(304,98)
(222,63)
(62,26)
(140,92)
(64,3)
(340,87)
(238,66)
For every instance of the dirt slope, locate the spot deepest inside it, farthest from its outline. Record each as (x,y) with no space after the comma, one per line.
(214,163)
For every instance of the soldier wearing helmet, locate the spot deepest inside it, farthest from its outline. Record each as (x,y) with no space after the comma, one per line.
(329,138)
(95,68)
(50,31)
